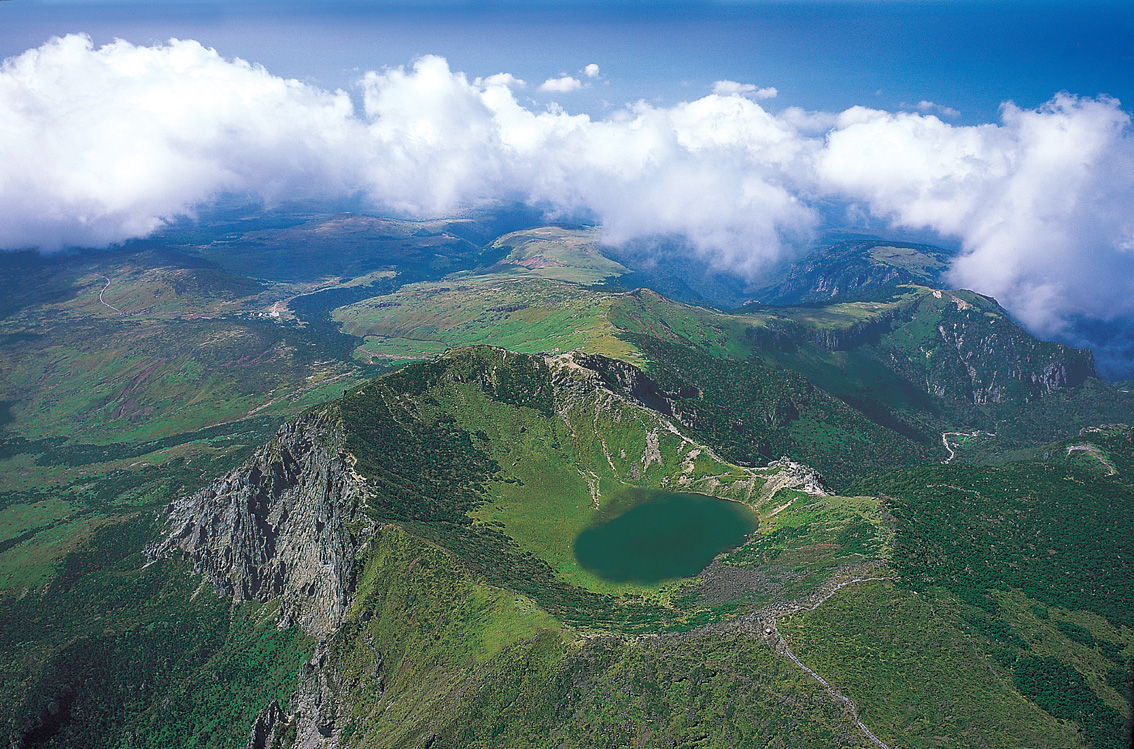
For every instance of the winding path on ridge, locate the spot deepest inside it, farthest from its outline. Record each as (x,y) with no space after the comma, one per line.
(765,620)
(104,288)
(785,650)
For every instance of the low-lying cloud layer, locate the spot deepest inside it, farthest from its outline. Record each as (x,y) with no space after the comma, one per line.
(98,145)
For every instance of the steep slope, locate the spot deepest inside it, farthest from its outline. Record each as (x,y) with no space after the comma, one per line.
(115,647)
(397,567)
(288,524)
(917,361)
(420,529)
(1037,555)
(483,450)
(912,360)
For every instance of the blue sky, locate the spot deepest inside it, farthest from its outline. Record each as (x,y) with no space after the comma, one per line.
(968,56)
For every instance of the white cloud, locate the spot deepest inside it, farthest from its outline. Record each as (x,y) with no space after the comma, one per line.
(591,71)
(507,80)
(928,107)
(99,145)
(102,144)
(747,90)
(810,123)
(1040,202)
(563,85)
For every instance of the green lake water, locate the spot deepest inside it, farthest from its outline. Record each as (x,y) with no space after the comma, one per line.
(666,535)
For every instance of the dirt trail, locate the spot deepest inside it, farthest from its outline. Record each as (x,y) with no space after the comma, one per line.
(953,453)
(785,650)
(764,622)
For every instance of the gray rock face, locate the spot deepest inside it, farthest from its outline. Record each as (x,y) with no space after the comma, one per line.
(265,728)
(986,359)
(319,703)
(787,474)
(630,382)
(288,523)
(316,711)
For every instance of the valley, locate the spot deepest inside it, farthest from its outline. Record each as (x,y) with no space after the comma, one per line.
(304,480)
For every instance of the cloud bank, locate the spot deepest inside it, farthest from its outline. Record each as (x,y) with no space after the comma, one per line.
(98,145)
(562,85)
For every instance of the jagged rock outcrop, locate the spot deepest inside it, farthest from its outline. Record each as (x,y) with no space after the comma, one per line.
(318,704)
(629,381)
(288,524)
(869,331)
(316,713)
(266,728)
(968,349)
(787,474)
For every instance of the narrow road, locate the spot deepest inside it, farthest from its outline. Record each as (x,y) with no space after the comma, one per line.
(952,453)
(945,441)
(106,303)
(1092,450)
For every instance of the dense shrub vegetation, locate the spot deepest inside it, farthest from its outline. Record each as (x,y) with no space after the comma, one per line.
(754,414)
(1061,537)
(113,647)
(1061,691)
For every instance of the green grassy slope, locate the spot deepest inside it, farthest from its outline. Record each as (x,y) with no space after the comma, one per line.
(855,268)
(466,665)
(106,411)
(521,312)
(915,674)
(483,435)
(556,253)
(185,362)
(475,625)
(913,361)
(927,650)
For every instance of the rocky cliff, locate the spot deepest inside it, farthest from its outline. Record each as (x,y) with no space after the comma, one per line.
(855,268)
(288,523)
(630,382)
(984,357)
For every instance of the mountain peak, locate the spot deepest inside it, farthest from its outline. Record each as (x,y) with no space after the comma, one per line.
(854,268)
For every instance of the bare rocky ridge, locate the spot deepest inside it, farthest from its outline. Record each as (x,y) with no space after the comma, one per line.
(286,524)
(630,382)
(787,474)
